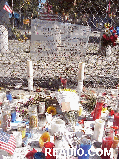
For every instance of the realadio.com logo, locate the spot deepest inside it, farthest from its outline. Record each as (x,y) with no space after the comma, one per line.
(78,152)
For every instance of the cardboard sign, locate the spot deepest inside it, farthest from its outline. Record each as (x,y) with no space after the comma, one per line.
(66,106)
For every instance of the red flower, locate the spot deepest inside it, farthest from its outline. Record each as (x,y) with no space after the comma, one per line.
(92,113)
(82,95)
(49,145)
(115,127)
(111,37)
(114,31)
(104,36)
(104,94)
(31,154)
(112,112)
(107,38)
(111,28)
(81,122)
(114,44)
(115,36)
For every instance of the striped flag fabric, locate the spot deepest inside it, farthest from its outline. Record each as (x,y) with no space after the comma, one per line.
(59,18)
(7,8)
(7,142)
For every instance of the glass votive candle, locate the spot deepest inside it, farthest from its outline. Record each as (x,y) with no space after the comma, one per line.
(115,142)
(80,111)
(106,143)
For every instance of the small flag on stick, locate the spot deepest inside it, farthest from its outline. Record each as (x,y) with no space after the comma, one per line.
(7,142)
(7,8)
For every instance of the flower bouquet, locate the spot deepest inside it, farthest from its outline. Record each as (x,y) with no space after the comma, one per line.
(109,36)
(71,118)
(88,99)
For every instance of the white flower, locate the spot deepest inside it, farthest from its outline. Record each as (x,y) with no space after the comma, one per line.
(107,31)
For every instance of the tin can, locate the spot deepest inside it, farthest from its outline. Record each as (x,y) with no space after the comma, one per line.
(33,120)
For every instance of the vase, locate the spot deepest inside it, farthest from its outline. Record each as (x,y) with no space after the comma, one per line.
(108,50)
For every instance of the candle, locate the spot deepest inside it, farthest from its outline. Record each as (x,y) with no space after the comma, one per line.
(30,83)
(81,71)
(106,143)
(98,109)
(116,119)
(18,138)
(80,77)
(115,142)
(80,86)
(99,129)
(29,69)
(80,110)
(30,75)
(57,125)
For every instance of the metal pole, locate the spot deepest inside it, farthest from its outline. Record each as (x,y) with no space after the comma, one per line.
(20,11)
(13,14)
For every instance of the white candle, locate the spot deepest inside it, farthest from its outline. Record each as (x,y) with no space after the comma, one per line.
(30,83)
(81,71)
(80,86)
(98,129)
(30,75)
(29,69)
(18,138)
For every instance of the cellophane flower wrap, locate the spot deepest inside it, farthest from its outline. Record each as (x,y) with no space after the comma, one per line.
(110,36)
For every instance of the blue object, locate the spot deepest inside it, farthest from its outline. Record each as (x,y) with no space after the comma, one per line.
(85,148)
(77,124)
(25,141)
(46,129)
(111,31)
(9,97)
(39,155)
(13,116)
(16,15)
(28,135)
(117,28)
(21,122)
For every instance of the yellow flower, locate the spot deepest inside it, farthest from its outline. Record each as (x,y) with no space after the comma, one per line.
(51,110)
(25,37)
(107,25)
(104,109)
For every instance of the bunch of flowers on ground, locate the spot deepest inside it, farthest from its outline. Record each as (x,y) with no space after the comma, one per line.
(110,36)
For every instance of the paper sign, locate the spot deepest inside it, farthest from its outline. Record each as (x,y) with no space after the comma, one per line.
(66,106)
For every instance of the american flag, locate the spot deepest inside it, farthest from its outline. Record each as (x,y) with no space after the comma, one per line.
(59,18)
(7,8)
(7,142)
